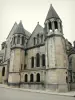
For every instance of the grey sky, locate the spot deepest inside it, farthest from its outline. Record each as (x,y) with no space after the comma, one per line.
(32,11)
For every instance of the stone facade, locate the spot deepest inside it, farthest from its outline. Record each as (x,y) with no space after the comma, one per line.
(41,60)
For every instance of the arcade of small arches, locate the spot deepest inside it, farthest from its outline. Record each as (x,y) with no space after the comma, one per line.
(53,25)
(19,39)
(32,78)
(39,61)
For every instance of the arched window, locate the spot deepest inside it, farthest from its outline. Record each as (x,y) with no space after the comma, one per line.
(37,38)
(25,66)
(18,39)
(31,78)
(43,59)
(37,60)
(56,24)
(3,71)
(22,40)
(26,78)
(50,25)
(38,77)
(41,38)
(32,62)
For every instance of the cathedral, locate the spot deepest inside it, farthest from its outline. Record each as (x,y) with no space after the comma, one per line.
(43,60)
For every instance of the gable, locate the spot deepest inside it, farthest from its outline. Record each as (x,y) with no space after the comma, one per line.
(38,30)
(12,31)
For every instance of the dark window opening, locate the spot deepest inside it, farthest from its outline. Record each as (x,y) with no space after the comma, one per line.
(43,60)
(22,40)
(37,60)
(3,71)
(26,78)
(31,78)
(18,39)
(32,62)
(25,66)
(38,77)
(2,47)
(41,38)
(37,38)
(56,24)
(50,25)
(70,76)
(34,40)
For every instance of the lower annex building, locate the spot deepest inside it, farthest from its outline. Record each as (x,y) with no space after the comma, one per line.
(41,60)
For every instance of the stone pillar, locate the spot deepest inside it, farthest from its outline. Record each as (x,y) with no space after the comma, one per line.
(53,28)
(16,39)
(47,27)
(34,62)
(59,28)
(41,61)
(34,76)
(20,40)
(74,44)
(28,77)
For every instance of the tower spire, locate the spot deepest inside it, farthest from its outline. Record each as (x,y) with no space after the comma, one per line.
(52,13)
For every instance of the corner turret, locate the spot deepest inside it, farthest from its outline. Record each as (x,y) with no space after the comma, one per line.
(19,37)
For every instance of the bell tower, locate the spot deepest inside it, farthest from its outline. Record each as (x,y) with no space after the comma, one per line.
(17,55)
(53,23)
(56,57)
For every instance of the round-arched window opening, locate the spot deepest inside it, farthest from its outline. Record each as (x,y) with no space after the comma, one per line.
(56,24)
(3,71)
(31,78)
(38,77)
(26,78)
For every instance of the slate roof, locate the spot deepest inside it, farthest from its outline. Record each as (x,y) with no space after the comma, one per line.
(52,13)
(38,28)
(20,29)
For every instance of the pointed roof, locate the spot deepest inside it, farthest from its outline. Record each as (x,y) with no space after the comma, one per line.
(20,28)
(12,30)
(38,28)
(52,13)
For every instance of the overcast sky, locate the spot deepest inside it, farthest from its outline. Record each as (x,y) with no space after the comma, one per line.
(32,11)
